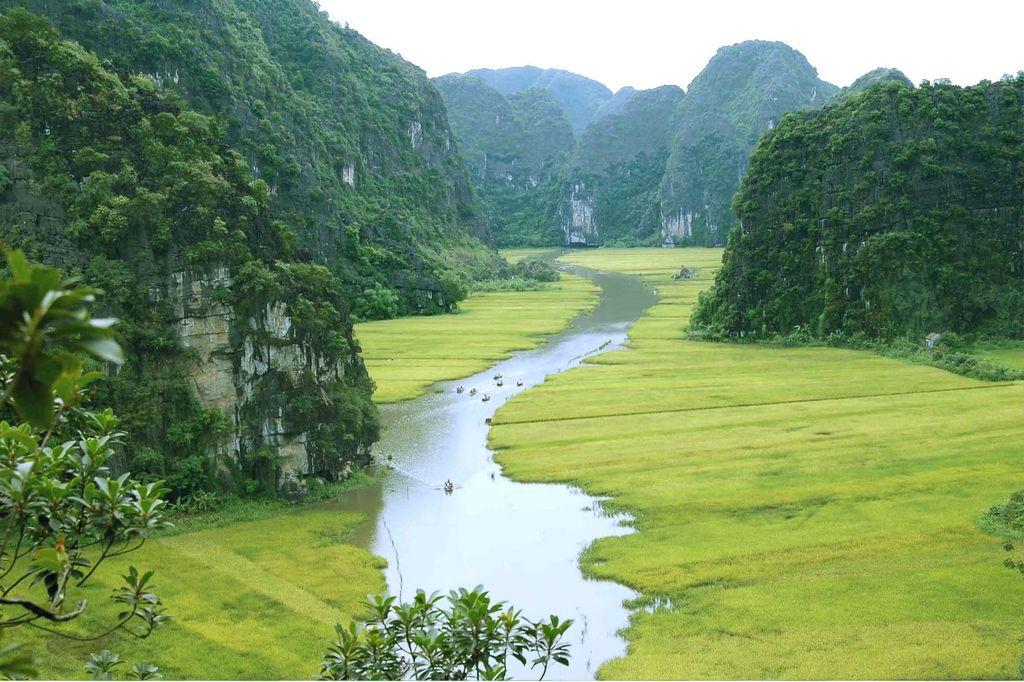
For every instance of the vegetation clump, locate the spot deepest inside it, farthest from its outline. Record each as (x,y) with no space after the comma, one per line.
(895,213)
(139,195)
(64,513)
(464,636)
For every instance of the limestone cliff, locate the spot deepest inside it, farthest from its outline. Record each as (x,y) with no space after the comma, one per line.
(242,368)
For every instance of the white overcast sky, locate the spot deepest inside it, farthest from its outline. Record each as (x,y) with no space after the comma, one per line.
(645,43)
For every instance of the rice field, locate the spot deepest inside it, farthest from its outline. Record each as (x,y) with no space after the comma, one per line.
(242,607)
(408,355)
(801,512)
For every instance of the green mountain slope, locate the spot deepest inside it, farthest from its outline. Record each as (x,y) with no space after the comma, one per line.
(869,79)
(242,371)
(580,97)
(352,140)
(744,90)
(620,164)
(515,148)
(894,213)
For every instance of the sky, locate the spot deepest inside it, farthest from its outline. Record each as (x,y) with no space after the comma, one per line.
(645,43)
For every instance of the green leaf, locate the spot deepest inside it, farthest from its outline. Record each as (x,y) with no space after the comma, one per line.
(49,559)
(21,269)
(34,401)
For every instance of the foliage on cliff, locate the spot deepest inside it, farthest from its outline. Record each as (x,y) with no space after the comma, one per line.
(123,185)
(868,80)
(894,213)
(351,141)
(515,148)
(622,159)
(653,165)
(744,90)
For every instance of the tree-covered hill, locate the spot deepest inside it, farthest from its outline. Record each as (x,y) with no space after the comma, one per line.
(655,166)
(744,90)
(894,213)
(515,147)
(352,141)
(580,97)
(872,77)
(243,370)
(620,163)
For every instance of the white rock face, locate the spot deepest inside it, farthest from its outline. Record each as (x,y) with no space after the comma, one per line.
(578,225)
(679,225)
(676,226)
(348,175)
(226,375)
(415,133)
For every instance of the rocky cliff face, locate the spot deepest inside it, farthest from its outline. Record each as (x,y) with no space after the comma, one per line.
(578,225)
(622,157)
(241,361)
(659,166)
(515,147)
(236,366)
(234,363)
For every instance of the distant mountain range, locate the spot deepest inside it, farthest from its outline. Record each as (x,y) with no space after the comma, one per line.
(633,167)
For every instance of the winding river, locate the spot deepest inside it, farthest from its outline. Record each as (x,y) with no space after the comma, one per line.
(521,541)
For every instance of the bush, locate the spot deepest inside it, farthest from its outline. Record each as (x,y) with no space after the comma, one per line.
(535,269)
(470,638)
(377,303)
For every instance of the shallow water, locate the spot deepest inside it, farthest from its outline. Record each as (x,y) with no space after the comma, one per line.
(521,541)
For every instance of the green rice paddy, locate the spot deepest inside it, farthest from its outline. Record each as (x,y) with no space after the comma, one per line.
(408,355)
(801,512)
(250,600)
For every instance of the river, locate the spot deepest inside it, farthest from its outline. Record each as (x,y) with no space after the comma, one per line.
(521,541)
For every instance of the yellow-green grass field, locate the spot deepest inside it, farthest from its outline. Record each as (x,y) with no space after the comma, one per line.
(249,600)
(801,512)
(408,355)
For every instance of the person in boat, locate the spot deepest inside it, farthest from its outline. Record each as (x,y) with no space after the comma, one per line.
(519,383)
(460,389)
(500,382)
(472,391)
(449,486)
(486,397)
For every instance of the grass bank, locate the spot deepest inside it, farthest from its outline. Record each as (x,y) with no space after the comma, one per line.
(802,512)
(408,355)
(254,591)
